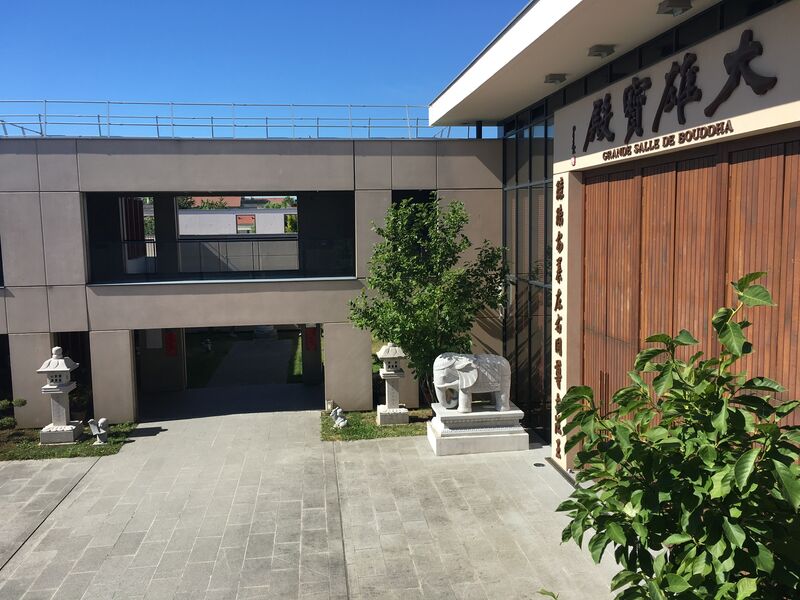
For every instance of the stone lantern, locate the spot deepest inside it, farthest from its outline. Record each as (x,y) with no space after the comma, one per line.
(58,370)
(394,361)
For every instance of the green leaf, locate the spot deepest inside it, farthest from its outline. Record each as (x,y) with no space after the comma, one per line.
(720,318)
(790,483)
(744,467)
(597,545)
(735,534)
(676,583)
(721,483)
(548,593)
(655,591)
(732,337)
(720,420)
(786,408)
(755,295)
(763,383)
(645,356)
(708,455)
(663,383)
(677,538)
(616,533)
(746,587)
(659,338)
(684,338)
(624,577)
(764,560)
(746,280)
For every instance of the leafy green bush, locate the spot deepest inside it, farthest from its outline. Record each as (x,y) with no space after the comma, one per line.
(691,479)
(7,421)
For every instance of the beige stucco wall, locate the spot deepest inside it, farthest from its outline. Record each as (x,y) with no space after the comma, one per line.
(28,352)
(44,244)
(113,375)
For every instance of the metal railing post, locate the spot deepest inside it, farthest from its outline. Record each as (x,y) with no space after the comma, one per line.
(158,128)
(212,126)
(317,127)
(41,125)
(369,127)
(108,118)
(266,125)
(99,127)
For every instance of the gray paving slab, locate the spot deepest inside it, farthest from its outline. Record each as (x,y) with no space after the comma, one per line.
(29,491)
(232,506)
(254,506)
(480,526)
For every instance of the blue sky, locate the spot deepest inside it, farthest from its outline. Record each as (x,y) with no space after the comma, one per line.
(297,51)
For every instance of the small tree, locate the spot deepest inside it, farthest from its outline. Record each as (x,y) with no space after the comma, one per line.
(692,479)
(213,203)
(423,295)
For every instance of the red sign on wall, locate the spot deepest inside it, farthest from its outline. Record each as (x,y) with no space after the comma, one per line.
(171,343)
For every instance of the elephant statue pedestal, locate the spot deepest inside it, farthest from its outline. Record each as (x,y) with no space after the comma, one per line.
(485,429)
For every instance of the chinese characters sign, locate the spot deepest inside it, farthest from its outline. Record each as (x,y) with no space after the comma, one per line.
(678,90)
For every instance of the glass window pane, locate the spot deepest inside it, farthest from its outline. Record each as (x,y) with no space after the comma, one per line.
(523,236)
(538,168)
(657,49)
(510,157)
(548,169)
(538,217)
(523,156)
(701,27)
(625,66)
(597,80)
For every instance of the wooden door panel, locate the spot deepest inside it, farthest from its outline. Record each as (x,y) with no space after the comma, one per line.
(755,185)
(624,246)
(787,370)
(700,283)
(658,241)
(594,284)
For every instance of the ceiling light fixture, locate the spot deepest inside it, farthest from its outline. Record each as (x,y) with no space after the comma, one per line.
(601,50)
(674,7)
(555,78)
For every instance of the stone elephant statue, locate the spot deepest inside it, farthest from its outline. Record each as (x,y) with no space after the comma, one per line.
(457,376)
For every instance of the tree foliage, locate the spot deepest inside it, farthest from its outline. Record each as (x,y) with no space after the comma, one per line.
(691,479)
(423,295)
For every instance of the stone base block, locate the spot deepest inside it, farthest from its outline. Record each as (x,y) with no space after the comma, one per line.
(61,434)
(482,430)
(391,416)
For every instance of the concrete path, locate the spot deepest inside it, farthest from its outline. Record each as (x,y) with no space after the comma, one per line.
(240,506)
(29,491)
(255,506)
(481,526)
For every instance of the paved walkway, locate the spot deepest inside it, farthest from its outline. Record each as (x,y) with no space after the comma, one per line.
(240,506)
(480,526)
(29,491)
(255,506)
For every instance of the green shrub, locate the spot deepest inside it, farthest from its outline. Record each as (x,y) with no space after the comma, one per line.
(691,479)
(8,422)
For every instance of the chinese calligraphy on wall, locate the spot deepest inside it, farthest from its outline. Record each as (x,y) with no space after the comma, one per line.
(680,88)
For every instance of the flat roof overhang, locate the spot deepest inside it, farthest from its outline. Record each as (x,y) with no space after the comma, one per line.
(548,36)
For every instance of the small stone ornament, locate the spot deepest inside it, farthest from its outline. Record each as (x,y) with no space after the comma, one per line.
(340,422)
(394,360)
(58,370)
(100,430)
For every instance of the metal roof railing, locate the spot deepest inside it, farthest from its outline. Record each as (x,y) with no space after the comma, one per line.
(109,118)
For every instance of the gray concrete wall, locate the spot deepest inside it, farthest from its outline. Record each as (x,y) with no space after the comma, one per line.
(44,244)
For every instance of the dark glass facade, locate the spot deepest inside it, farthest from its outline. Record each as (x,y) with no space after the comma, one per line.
(527,206)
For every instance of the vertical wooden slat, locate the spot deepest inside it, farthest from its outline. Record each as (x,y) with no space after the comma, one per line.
(624,245)
(658,239)
(699,285)
(754,244)
(788,299)
(594,284)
